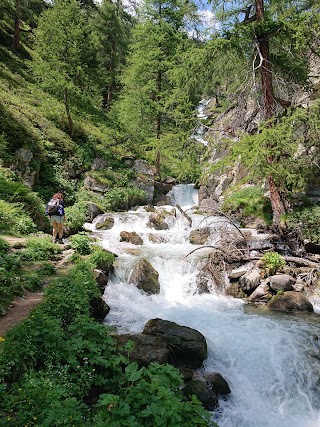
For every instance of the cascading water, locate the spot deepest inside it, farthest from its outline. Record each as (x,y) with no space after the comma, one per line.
(271,362)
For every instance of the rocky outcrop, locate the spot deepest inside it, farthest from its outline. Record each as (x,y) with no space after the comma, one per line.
(92,184)
(290,301)
(188,347)
(98,308)
(131,237)
(281,282)
(101,279)
(105,223)
(22,167)
(145,277)
(157,220)
(203,392)
(145,178)
(199,236)
(93,211)
(146,348)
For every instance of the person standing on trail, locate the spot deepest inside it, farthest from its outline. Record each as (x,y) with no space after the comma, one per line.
(55,210)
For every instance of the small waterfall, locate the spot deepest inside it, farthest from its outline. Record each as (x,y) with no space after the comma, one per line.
(270,361)
(184,195)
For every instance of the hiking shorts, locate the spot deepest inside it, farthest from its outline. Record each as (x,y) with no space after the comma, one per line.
(56,218)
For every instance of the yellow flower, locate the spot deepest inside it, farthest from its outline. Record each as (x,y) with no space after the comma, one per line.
(2,339)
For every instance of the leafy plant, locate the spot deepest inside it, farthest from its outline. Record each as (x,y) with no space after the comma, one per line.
(81,243)
(40,248)
(272,262)
(101,259)
(308,218)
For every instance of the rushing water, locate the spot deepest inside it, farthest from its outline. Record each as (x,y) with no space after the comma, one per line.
(271,362)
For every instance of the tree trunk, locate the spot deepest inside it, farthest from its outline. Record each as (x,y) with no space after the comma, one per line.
(277,203)
(16,34)
(66,105)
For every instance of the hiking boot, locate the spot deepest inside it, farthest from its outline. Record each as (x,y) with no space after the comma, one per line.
(60,241)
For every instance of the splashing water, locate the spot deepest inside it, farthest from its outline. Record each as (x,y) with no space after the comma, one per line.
(270,361)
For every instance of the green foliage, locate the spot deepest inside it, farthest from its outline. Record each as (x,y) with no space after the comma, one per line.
(10,281)
(308,219)
(272,262)
(41,248)
(76,215)
(14,220)
(101,259)
(4,246)
(248,201)
(81,243)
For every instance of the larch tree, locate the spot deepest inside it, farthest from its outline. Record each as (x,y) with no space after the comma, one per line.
(147,108)
(273,30)
(65,54)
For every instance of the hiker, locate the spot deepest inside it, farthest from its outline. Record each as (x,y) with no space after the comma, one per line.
(55,210)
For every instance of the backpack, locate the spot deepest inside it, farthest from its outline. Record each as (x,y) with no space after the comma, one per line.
(54,207)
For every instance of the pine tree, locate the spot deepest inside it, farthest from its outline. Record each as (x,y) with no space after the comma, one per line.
(267,26)
(64,54)
(153,117)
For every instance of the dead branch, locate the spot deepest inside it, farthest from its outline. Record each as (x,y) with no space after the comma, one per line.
(184,214)
(301,261)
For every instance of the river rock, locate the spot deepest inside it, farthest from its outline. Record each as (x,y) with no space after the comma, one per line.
(250,281)
(93,211)
(203,392)
(188,347)
(155,238)
(290,301)
(281,282)
(217,383)
(261,293)
(131,237)
(157,220)
(145,277)
(199,236)
(105,223)
(101,279)
(146,348)
(98,308)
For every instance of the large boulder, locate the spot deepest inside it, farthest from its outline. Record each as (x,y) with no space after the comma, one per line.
(131,237)
(250,281)
(98,308)
(290,301)
(92,184)
(203,392)
(145,277)
(157,220)
(199,236)
(145,178)
(188,347)
(262,293)
(217,383)
(93,211)
(281,282)
(105,223)
(101,279)
(146,348)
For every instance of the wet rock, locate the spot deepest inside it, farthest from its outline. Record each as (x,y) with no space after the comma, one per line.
(145,277)
(290,301)
(261,293)
(235,291)
(105,223)
(131,237)
(202,391)
(188,347)
(199,236)
(146,348)
(98,308)
(250,281)
(101,279)
(187,374)
(281,282)
(93,211)
(155,238)
(157,220)
(217,383)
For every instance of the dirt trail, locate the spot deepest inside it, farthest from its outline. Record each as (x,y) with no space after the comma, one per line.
(20,309)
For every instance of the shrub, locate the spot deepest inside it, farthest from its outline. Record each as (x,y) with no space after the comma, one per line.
(248,201)
(272,262)
(14,220)
(4,246)
(308,218)
(76,216)
(101,259)
(10,282)
(81,243)
(40,249)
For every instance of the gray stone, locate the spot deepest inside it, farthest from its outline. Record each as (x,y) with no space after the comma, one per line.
(92,184)
(281,282)
(145,178)
(199,236)
(105,223)
(157,220)
(188,347)
(298,287)
(101,279)
(93,211)
(203,392)
(146,348)
(131,237)
(261,293)
(98,164)
(289,302)
(145,277)
(217,383)
(250,281)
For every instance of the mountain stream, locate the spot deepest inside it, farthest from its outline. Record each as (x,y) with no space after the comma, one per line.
(271,361)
